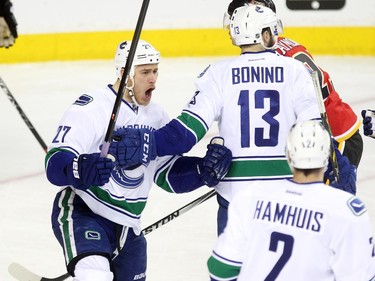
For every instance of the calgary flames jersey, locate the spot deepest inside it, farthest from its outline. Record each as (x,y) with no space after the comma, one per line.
(341,117)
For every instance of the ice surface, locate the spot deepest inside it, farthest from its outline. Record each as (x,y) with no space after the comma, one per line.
(176,251)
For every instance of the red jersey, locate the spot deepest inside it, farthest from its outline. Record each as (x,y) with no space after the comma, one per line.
(341,117)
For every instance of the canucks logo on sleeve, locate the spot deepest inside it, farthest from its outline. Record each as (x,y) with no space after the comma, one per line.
(83,100)
(356,206)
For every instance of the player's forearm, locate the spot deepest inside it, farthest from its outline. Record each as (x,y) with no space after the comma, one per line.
(56,167)
(173,139)
(184,177)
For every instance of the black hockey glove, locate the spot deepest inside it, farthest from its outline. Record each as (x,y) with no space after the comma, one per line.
(368,122)
(6,12)
(131,147)
(89,170)
(216,162)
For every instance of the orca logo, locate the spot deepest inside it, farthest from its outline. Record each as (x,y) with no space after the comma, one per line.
(130,179)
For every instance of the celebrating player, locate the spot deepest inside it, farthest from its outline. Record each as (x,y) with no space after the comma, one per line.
(343,121)
(255,97)
(96,215)
(368,122)
(298,229)
(8,24)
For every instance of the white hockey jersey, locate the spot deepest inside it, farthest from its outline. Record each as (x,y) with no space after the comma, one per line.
(255,98)
(123,199)
(289,231)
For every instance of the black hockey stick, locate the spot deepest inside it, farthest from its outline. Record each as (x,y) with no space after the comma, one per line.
(323,115)
(178,212)
(124,79)
(187,207)
(22,113)
(23,274)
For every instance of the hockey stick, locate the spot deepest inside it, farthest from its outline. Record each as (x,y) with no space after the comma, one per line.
(23,274)
(323,115)
(124,79)
(23,115)
(178,212)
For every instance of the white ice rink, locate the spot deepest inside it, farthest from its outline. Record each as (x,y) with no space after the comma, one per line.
(176,251)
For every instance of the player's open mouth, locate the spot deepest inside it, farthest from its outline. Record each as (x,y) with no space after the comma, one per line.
(149,92)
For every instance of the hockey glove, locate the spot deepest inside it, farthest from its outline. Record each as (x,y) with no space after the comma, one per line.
(132,147)
(89,170)
(215,164)
(348,174)
(368,123)
(8,25)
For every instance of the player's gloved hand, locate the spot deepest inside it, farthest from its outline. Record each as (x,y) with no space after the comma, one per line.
(132,147)
(348,174)
(6,38)
(216,162)
(8,24)
(88,170)
(368,122)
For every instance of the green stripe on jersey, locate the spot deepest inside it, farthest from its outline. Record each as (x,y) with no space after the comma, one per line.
(162,182)
(258,168)
(193,124)
(133,208)
(66,222)
(222,271)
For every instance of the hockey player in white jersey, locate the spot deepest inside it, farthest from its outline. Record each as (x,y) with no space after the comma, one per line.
(298,229)
(96,215)
(255,98)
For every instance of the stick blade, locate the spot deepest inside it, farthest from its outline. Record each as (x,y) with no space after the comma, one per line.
(21,273)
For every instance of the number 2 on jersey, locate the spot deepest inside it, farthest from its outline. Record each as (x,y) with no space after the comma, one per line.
(287,250)
(259,133)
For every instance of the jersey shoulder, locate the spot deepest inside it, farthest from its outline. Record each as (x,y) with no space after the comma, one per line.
(289,48)
(90,100)
(339,203)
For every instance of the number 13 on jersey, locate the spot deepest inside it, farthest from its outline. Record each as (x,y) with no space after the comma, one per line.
(262,99)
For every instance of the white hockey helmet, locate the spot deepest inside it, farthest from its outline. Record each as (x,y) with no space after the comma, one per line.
(144,54)
(247,23)
(308,145)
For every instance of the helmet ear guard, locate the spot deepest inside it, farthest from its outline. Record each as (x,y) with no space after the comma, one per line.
(308,145)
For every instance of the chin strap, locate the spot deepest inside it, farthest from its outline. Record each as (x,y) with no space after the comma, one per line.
(130,88)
